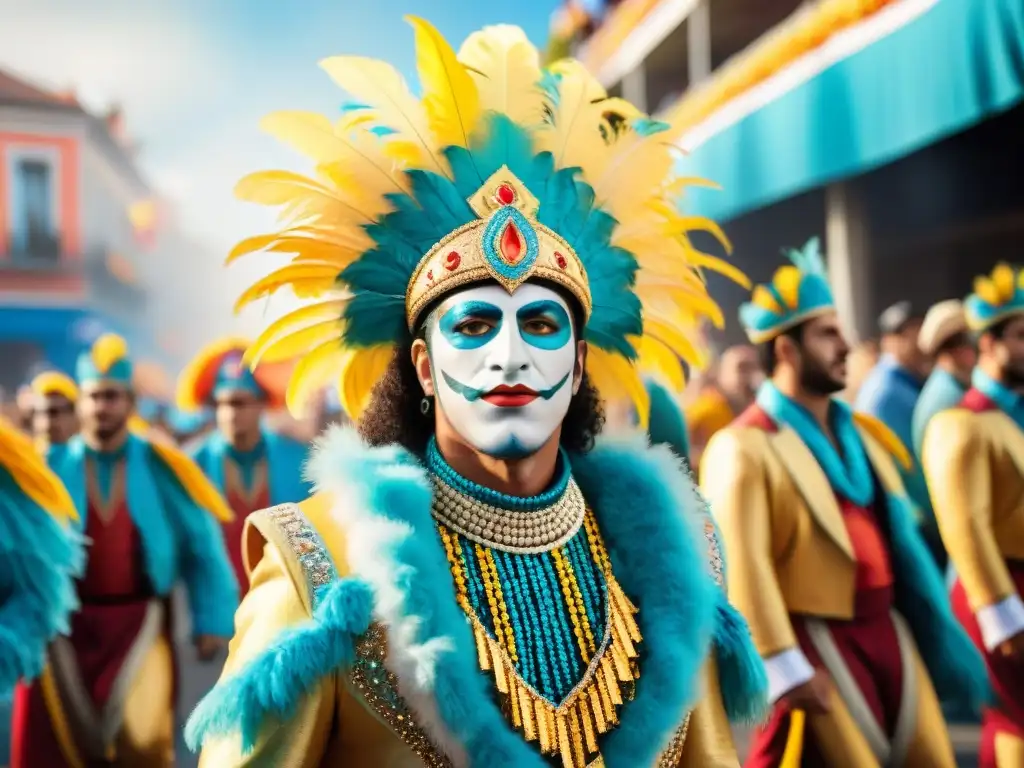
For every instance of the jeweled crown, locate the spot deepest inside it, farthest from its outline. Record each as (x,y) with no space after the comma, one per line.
(506,244)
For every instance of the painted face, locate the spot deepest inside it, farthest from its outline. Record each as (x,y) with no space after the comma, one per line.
(503,366)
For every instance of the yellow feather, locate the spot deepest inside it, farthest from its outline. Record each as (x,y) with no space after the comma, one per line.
(359,152)
(449,93)
(658,360)
(573,133)
(1002,279)
(107,350)
(185,392)
(301,196)
(313,373)
(250,245)
(616,378)
(295,321)
(378,85)
(19,457)
(305,279)
(361,371)
(986,291)
(673,340)
(195,483)
(294,344)
(787,284)
(677,185)
(765,299)
(506,69)
(55,383)
(721,266)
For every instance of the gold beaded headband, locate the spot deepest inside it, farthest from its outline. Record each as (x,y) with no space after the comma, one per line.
(506,244)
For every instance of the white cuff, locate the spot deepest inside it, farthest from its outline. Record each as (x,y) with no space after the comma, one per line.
(786,671)
(1000,622)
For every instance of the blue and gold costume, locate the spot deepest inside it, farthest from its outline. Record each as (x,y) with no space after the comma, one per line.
(405,615)
(267,474)
(41,553)
(828,567)
(151,519)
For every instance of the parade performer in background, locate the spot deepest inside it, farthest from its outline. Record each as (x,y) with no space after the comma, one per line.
(846,606)
(40,555)
(974,461)
(54,421)
(252,467)
(481,580)
(733,382)
(946,340)
(150,515)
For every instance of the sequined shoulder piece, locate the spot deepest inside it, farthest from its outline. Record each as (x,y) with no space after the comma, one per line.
(304,551)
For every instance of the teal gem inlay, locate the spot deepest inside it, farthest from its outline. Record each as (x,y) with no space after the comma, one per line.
(493,234)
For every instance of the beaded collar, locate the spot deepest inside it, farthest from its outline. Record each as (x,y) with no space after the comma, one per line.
(517,524)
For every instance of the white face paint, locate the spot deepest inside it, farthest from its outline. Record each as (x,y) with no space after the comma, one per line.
(503,366)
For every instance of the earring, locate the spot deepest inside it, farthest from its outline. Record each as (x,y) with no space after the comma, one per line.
(425,405)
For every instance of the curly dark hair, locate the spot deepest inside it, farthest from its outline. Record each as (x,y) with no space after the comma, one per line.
(394,416)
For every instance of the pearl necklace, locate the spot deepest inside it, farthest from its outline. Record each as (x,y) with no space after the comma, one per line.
(539,530)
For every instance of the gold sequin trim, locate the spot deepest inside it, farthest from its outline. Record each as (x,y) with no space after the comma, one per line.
(378,688)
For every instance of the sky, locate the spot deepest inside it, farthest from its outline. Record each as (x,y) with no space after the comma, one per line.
(194,77)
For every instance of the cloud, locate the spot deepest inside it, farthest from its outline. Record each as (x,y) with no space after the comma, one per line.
(148,57)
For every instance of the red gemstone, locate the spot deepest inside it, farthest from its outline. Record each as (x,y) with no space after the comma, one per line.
(560,260)
(452,262)
(511,244)
(506,195)
(430,275)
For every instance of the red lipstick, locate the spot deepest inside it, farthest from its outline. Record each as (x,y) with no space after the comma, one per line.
(505,396)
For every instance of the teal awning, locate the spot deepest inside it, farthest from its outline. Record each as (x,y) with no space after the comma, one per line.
(957,63)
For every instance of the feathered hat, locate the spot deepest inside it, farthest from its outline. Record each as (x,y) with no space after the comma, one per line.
(500,171)
(107,360)
(797,292)
(218,367)
(995,298)
(54,383)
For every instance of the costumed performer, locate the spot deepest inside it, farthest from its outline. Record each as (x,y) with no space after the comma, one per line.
(41,553)
(54,421)
(846,605)
(973,458)
(480,580)
(151,517)
(253,467)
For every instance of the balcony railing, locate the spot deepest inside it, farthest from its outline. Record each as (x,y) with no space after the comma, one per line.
(39,251)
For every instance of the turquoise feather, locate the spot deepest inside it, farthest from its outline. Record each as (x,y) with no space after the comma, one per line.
(39,560)
(436,205)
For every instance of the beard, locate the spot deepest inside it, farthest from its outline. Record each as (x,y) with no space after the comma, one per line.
(816,380)
(109,428)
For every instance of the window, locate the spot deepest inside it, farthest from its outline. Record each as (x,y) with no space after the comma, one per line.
(33,233)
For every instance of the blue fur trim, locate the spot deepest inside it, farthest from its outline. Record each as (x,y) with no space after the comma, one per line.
(397,488)
(39,559)
(741,673)
(179,539)
(272,684)
(285,458)
(637,494)
(641,498)
(954,663)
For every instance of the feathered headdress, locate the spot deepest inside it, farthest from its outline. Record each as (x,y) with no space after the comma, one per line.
(218,366)
(500,171)
(54,383)
(797,292)
(106,360)
(996,297)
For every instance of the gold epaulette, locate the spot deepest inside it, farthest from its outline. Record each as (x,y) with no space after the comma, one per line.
(304,553)
(887,438)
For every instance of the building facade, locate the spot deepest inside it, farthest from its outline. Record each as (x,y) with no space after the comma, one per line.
(72,238)
(889,127)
